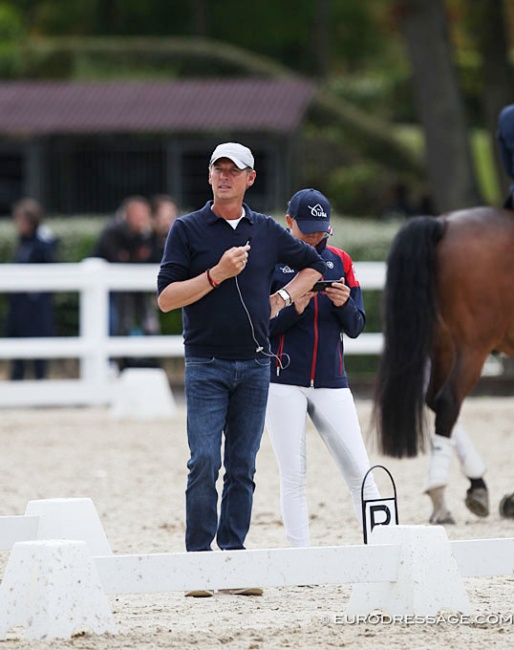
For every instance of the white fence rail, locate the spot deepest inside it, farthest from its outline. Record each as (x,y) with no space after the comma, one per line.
(93,279)
(61,567)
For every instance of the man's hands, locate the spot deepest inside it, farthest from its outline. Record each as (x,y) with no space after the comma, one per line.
(302,302)
(186,292)
(231,263)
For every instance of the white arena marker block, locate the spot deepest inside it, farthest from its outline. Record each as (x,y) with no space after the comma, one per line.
(52,589)
(17,528)
(73,519)
(143,394)
(428,580)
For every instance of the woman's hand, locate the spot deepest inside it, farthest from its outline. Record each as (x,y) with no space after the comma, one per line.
(338,293)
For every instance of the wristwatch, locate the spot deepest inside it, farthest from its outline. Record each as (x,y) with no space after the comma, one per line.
(285,296)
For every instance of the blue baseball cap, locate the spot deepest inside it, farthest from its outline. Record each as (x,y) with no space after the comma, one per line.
(311,211)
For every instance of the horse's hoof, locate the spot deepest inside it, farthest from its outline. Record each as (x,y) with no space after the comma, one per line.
(441,517)
(477,501)
(507,506)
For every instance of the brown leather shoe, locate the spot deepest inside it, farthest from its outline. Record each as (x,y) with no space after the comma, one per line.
(200,593)
(247,591)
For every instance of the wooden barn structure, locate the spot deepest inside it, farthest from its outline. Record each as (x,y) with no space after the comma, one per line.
(80,148)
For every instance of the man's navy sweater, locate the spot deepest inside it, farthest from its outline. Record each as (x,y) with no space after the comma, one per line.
(232,321)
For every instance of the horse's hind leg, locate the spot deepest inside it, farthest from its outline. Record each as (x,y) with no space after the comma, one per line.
(441,452)
(441,447)
(473,467)
(445,398)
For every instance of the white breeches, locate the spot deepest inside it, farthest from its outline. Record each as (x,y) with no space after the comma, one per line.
(333,413)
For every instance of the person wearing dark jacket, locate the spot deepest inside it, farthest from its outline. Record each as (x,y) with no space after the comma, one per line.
(505,136)
(127,239)
(218,266)
(31,314)
(308,376)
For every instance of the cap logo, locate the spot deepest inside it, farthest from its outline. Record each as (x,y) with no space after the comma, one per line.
(317,211)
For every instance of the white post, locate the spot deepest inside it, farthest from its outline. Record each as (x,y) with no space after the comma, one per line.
(94,322)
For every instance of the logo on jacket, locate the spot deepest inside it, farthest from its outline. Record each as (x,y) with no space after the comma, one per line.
(286,269)
(329,264)
(317,211)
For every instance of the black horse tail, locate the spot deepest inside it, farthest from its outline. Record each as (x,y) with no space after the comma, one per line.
(409,317)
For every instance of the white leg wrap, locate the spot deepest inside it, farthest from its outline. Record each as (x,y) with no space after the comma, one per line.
(471,463)
(439,465)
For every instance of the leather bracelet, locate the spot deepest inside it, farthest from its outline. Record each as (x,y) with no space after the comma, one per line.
(213,284)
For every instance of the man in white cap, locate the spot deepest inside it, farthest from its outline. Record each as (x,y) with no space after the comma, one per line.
(218,266)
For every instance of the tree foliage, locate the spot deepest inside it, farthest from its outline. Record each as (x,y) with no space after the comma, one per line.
(329,41)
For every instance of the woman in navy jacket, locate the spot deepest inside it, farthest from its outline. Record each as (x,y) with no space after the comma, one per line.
(308,375)
(31,314)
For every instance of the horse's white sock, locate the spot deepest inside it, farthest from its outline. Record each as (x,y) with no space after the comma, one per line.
(439,465)
(471,463)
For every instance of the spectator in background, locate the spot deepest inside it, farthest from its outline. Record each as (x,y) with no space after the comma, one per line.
(425,205)
(399,204)
(31,314)
(128,239)
(505,136)
(164,213)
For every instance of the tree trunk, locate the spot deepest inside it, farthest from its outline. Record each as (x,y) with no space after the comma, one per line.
(321,34)
(448,153)
(199,17)
(488,22)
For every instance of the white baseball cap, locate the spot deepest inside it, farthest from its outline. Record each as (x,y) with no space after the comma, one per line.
(237,153)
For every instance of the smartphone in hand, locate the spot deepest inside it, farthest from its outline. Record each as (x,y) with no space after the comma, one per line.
(321,285)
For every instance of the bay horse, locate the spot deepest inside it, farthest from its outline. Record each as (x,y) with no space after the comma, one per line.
(448,303)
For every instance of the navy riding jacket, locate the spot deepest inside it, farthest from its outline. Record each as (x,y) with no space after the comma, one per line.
(309,346)
(506,139)
(232,321)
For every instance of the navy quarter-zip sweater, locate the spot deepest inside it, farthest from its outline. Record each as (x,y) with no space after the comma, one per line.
(219,324)
(310,345)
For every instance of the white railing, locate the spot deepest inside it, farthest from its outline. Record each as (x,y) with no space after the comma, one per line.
(93,279)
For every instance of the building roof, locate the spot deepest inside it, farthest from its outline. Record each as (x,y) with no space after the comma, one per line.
(40,108)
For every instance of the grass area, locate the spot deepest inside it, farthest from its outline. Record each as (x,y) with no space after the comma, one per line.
(484,163)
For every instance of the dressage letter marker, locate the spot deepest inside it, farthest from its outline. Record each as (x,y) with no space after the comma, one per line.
(378,512)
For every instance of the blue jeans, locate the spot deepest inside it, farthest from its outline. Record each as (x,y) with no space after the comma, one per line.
(222,396)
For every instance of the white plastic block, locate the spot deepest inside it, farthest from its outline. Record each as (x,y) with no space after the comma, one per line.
(73,519)
(17,528)
(52,589)
(143,394)
(428,580)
